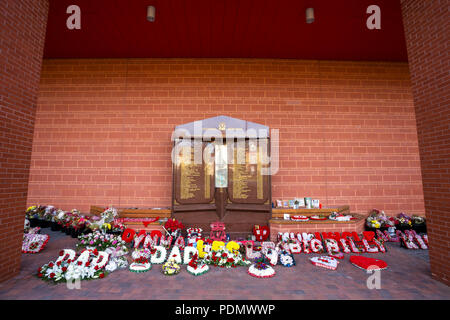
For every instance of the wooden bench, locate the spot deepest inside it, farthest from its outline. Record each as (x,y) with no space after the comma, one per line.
(163,214)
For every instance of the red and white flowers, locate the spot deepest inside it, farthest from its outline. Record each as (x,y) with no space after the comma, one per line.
(261,269)
(90,264)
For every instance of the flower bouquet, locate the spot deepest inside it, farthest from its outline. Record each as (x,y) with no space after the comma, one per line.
(42,222)
(174,228)
(47,216)
(54,224)
(419,224)
(404,222)
(224,259)
(116,228)
(100,241)
(78,225)
(31,215)
(170,268)
(339,217)
(377,220)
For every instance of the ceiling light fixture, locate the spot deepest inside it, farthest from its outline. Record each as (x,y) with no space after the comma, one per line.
(310,15)
(151,13)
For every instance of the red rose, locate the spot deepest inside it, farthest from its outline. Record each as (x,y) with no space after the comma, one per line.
(61,253)
(52,275)
(69,261)
(50,264)
(58,263)
(102,275)
(88,264)
(96,267)
(64,269)
(224,255)
(80,263)
(40,275)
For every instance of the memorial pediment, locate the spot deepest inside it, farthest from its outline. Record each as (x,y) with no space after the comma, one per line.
(224,124)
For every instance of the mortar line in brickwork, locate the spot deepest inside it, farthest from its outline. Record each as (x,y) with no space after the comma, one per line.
(123,133)
(325,153)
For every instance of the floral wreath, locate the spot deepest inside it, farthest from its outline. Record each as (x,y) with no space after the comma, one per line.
(34,243)
(261,269)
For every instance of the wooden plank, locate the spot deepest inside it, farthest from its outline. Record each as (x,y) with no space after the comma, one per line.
(135,213)
(95,210)
(144,215)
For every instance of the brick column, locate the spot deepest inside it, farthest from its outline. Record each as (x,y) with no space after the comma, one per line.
(22,34)
(427,36)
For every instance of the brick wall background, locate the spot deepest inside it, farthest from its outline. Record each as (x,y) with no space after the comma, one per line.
(22,34)
(347,129)
(427,36)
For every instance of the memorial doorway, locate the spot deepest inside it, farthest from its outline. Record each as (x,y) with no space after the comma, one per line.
(221,172)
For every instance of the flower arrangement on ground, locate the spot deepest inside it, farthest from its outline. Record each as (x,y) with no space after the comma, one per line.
(404,221)
(141,261)
(174,227)
(170,268)
(286,259)
(117,228)
(101,241)
(34,243)
(261,269)
(197,266)
(225,259)
(419,224)
(89,265)
(378,220)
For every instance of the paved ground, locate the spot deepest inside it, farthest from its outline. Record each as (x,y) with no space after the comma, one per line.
(408,277)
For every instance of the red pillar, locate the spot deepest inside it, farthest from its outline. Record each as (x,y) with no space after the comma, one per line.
(427,35)
(22,24)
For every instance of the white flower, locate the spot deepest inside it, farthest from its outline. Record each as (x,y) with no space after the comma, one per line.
(111,266)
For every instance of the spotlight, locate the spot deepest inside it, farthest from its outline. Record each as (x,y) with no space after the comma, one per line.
(310,15)
(151,13)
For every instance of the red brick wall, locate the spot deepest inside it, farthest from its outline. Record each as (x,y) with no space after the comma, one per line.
(427,37)
(348,133)
(22,25)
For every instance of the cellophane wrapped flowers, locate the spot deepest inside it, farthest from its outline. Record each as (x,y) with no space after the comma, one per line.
(404,219)
(101,241)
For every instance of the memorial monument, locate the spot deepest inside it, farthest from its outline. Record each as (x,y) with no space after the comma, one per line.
(221,172)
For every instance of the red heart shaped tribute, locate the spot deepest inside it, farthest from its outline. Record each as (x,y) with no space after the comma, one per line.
(368,263)
(261,233)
